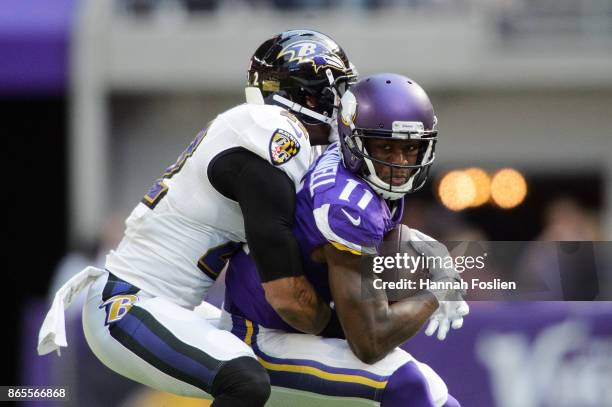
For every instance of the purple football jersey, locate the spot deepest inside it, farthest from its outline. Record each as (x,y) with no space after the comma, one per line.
(336,206)
(333,206)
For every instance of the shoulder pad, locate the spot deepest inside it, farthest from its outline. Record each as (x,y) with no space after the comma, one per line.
(352,215)
(271,134)
(270,117)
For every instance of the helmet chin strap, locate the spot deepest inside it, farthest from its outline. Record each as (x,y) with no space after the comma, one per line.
(253,96)
(330,78)
(295,107)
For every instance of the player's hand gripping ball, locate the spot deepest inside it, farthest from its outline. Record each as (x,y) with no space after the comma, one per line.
(407,269)
(410,266)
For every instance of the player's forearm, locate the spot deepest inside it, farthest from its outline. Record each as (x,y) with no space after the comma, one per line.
(379,328)
(296,302)
(404,319)
(373,328)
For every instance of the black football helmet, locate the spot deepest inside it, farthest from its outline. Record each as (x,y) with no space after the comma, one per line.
(304,71)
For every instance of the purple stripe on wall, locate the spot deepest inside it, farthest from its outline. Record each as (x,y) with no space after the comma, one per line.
(34,45)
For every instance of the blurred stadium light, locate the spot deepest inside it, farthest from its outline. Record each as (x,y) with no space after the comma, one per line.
(473,187)
(457,190)
(482,183)
(508,188)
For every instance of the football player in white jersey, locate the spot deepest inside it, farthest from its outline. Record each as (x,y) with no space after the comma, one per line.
(235,182)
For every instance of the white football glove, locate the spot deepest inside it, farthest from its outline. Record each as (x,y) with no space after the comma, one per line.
(451,308)
(449,314)
(430,247)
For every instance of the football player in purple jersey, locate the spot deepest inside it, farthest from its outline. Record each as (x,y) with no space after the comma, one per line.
(349,199)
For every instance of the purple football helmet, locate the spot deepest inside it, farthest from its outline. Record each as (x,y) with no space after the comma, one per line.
(387,106)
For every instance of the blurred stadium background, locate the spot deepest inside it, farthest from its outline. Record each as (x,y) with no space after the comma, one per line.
(98,96)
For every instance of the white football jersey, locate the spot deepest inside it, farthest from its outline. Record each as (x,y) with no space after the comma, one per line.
(179,237)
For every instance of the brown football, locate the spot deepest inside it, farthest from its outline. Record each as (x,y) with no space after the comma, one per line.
(407,268)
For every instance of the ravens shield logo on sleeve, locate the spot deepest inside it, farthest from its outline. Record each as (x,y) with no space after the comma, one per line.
(283,146)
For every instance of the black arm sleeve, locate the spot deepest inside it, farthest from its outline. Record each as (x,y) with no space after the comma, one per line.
(267,199)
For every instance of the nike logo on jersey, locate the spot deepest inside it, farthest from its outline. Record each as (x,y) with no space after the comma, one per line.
(355,221)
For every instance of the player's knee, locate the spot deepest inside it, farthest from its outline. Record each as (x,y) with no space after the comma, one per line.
(451,402)
(244,380)
(407,386)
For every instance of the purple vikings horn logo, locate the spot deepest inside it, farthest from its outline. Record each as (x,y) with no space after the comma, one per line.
(316,53)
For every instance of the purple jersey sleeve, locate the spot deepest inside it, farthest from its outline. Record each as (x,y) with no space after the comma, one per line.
(350,215)
(336,206)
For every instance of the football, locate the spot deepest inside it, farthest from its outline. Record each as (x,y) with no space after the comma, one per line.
(404,267)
